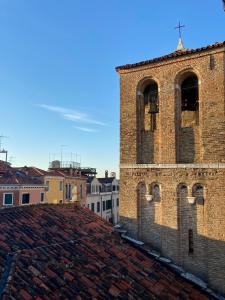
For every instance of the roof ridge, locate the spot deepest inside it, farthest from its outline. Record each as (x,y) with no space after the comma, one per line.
(173,54)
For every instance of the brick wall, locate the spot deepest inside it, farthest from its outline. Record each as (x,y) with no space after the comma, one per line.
(165,224)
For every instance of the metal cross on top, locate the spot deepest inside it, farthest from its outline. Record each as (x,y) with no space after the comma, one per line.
(179,27)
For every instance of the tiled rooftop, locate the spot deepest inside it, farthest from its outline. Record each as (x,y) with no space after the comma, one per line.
(67,252)
(12,177)
(172,55)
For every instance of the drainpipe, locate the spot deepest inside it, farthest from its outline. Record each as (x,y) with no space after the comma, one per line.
(112,208)
(101,206)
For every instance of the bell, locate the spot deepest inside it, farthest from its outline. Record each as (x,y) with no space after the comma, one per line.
(153,108)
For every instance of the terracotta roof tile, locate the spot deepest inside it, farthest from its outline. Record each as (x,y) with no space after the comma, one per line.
(172,55)
(66,252)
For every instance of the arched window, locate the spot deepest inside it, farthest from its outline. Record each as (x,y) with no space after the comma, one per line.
(151,105)
(189,93)
(189,100)
(182,191)
(154,190)
(198,193)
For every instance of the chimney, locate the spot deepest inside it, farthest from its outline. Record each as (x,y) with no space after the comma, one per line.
(106,173)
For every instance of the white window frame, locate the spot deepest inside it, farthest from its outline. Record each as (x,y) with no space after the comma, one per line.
(4,199)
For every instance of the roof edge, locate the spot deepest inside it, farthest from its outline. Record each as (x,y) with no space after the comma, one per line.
(172,55)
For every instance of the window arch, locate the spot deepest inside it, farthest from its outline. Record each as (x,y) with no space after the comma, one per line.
(189,93)
(189,100)
(151,105)
(188,139)
(182,190)
(198,193)
(148,121)
(156,191)
(151,97)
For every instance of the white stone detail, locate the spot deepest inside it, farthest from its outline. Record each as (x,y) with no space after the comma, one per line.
(191,200)
(173,166)
(148,197)
(180,45)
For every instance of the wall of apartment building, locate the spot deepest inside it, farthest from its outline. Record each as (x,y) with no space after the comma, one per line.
(14,192)
(78,189)
(18,191)
(100,202)
(54,190)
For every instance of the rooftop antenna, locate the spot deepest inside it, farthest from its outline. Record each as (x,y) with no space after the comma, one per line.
(62,146)
(180,45)
(2,150)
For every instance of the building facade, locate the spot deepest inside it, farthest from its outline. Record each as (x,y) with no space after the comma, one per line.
(103,197)
(52,180)
(54,187)
(172,172)
(17,188)
(74,182)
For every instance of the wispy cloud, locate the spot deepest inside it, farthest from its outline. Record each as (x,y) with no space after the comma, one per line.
(85,129)
(72,115)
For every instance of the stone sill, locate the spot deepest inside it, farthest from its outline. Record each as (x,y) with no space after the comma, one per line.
(173,166)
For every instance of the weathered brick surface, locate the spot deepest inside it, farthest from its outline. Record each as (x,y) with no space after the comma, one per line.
(165,223)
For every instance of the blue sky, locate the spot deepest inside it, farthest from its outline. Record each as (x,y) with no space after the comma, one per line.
(58,84)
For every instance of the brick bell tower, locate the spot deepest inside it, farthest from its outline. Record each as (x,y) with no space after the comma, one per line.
(172,157)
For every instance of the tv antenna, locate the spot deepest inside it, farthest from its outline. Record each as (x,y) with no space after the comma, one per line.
(2,150)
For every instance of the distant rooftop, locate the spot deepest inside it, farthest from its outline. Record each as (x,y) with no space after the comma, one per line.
(66,165)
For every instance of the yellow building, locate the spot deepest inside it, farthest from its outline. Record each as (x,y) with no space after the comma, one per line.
(54,189)
(74,185)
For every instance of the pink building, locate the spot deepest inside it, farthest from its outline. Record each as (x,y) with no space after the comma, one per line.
(16,188)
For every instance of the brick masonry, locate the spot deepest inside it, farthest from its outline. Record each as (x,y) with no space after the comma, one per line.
(165,223)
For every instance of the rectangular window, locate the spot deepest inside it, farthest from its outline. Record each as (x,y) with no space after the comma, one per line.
(117,202)
(88,205)
(108,204)
(47,188)
(92,206)
(114,188)
(60,186)
(8,199)
(190,241)
(69,192)
(98,206)
(103,205)
(212,62)
(42,197)
(81,191)
(26,198)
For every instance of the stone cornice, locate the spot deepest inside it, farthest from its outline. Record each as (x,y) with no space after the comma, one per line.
(173,166)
